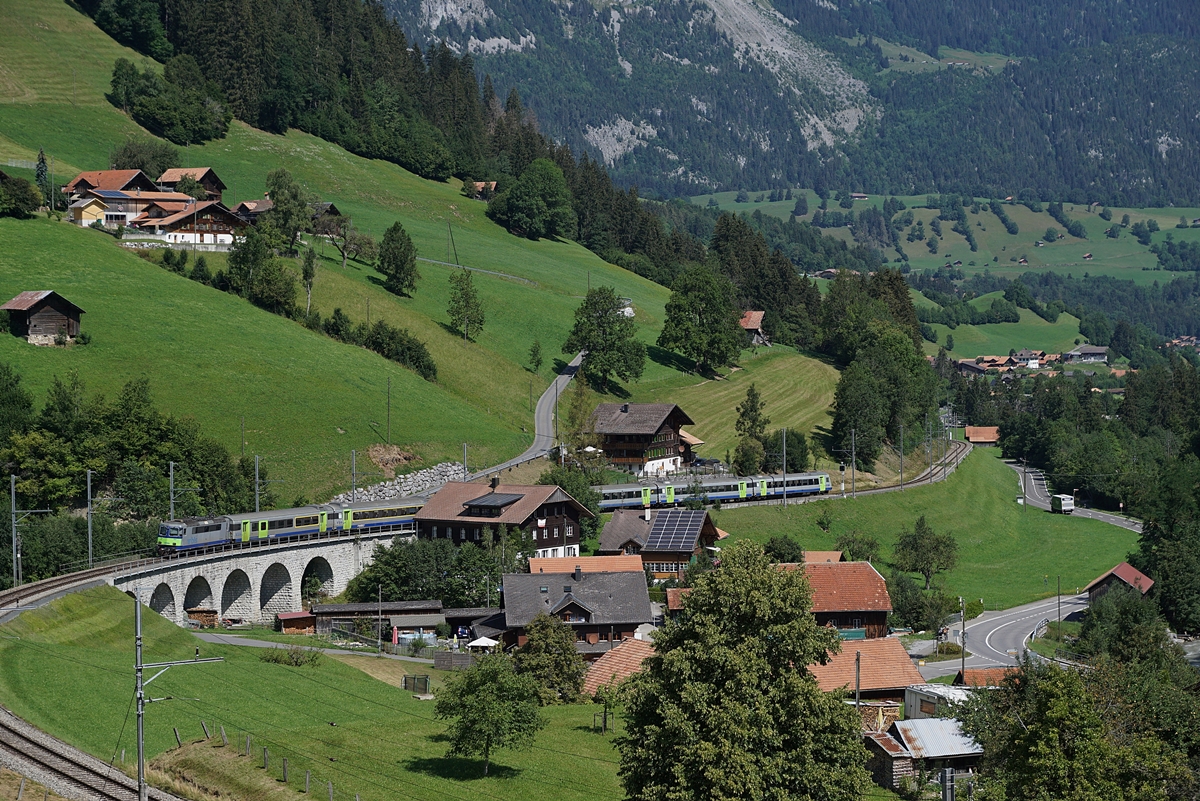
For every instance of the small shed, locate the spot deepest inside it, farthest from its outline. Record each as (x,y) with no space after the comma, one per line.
(752,324)
(297,622)
(42,315)
(1123,573)
(932,700)
(982,435)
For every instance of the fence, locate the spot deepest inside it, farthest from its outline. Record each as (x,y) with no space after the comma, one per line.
(452,660)
(417,684)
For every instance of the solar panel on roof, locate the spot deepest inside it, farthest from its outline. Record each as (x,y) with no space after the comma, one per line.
(111,193)
(675,530)
(494,499)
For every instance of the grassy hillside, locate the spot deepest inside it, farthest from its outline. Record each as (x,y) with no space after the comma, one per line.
(999,338)
(1006,552)
(58,104)
(307,399)
(385,744)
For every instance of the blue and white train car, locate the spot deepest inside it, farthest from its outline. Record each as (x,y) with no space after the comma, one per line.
(718,488)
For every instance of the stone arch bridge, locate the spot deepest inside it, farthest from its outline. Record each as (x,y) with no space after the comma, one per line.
(253,584)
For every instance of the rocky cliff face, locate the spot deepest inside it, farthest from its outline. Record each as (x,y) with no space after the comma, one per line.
(668,93)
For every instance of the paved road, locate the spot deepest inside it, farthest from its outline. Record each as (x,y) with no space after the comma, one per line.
(1038,496)
(543,420)
(995,639)
(249,642)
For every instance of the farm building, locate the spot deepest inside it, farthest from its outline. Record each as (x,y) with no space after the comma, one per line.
(42,316)
(201,222)
(932,700)
(214,187)
(849,596)
(1086,353)
(643,437)
(588,564)
(982,677)
(251,210)
(297,622)
(346,617)
(1123,573)
(752,324)
(621,662)
(910,745)
(116,180)
(86,211)
(886,670)
(982,435)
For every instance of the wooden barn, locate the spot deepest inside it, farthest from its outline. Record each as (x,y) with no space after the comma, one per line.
(41,316)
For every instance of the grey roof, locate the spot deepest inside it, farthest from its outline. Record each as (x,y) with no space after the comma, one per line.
(494,500)
(492,626)
(934,738)
(610,597)
(625,525)
(416,621)
(634,418)
(387,608)
(1093,349)
(470,612)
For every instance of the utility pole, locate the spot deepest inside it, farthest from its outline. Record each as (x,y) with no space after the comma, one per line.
(389,411)
(17,516)
(853,459)
(929,445)
(353,478)
(962,605)
(181,490)
(1024,474)
(902,457)
(89,516)
(139,666)
(857,678)
(465,472)
(256,510)
(1060,609)
(243,436)
(379,624)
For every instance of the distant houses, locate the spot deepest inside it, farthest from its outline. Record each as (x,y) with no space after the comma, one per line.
(205,176)
(986,436)
(1085,354)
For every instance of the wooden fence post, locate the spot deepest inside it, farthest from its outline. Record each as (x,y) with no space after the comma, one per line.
(21,789)
(224,739)
(285,770)
(307,779)
(204,726)
(330,791)
(178,742)
(247,745)
(265,758)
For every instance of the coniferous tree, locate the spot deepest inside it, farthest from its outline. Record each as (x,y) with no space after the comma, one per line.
(398,261)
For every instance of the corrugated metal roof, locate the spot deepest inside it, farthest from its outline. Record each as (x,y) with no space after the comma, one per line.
(935,738)
(416,621)
(27,300)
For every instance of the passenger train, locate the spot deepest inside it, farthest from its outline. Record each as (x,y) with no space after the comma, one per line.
(252,528)
(714,488)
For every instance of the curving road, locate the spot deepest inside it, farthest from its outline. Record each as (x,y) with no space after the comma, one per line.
(1038,496)
(543,420)
(996,639)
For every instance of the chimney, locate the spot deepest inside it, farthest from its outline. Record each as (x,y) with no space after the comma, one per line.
(495,482)
(578,573)
(625,408)
(647,514)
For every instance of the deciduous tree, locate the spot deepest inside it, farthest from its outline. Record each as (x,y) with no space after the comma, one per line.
(466,309)
(398,261)
(609,337)
(490,706)
(701,321)
(291,211)
(730,678)
(924,551)
(550,658)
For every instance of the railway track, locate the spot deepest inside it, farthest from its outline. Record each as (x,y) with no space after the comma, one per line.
(62,768)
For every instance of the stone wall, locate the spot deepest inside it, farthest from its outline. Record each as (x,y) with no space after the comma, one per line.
(421,481)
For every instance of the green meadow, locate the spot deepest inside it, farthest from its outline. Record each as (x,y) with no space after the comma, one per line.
(1008,554)
(367,737)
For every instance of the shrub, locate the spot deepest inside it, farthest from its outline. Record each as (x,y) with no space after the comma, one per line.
(84,338)
(292,656)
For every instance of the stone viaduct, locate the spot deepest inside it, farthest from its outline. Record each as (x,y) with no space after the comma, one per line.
(253,584)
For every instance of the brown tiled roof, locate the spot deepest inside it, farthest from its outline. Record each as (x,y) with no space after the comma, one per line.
(449,503)
(983,677)
(752,320)
(675,597)
(107,179)
(195,209)
(177,197)
(637,418)
(982,433)
(173,176)
(617,665)
(27,300)
(588,564)
(885,666)
(822,556)
(1128,574)
(847,587)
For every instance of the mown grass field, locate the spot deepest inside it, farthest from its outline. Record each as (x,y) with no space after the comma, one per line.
(385,744)
(999,338)
(1008,554)
(307,400)
(1001,252)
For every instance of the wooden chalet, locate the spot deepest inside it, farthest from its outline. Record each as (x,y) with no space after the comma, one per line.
(986,436)
(214,187)
(41,316)
(200,222)
(115,180)
(849,596)
(752,324)
(667,540)
(1123,574)
(643,437)
(461,512)
(251,210)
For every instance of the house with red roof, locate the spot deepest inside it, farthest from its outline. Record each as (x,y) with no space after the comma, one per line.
(616,665)
(114,180)
(982,435)
(1123,574)
(885,670)
(752,324)
(214,187)
(851,597)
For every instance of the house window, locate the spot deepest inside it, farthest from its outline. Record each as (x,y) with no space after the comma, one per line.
(556,532)
(856,623)
(462,533)
(928,707)
(543,590)
(477,535)
(435,532)
(569,530)
(580,636)
(545,534)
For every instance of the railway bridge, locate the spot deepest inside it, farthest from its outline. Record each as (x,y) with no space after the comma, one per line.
(252,584)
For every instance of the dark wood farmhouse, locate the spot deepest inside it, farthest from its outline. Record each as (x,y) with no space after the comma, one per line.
(849,596)
(643,437)
(602,608)
(1123,574)
(214,187)
(202,222)
(668,540)
(251,210)
(42,316)
(116,180)
(460,512)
